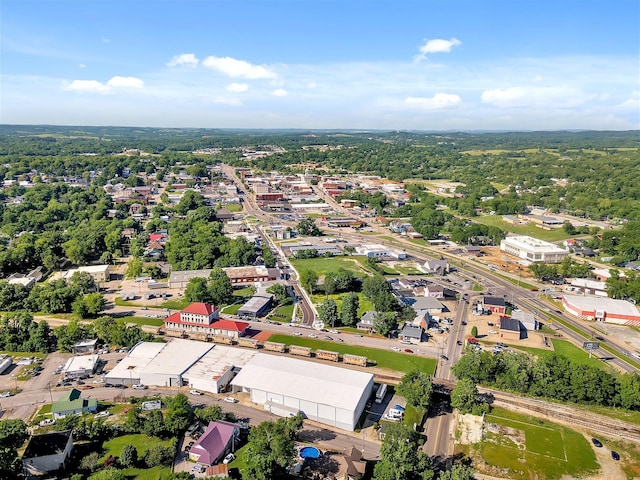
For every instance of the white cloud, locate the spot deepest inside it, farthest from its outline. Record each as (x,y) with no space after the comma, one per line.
(86,86)
(94,86)
(237,68)
(125,82)
(436,45)
(280,92)
(237,87)
(186,59)
(439,101)
(507,97)
(82,65)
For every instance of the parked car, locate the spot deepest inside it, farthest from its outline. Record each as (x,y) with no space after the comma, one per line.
(47,422)
(444,357)
(195,392)
(229,458)
(297,334)
(334,331)
(139,386)
(615,455)
(198,468)
(397,349)
(5,394)
(459,342)
(102,414)
(596,442)
(230,400)
(408,350)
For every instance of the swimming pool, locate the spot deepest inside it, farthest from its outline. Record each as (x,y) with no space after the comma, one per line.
(309,452)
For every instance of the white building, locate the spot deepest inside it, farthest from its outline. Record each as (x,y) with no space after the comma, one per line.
(80,367)
(217,368)
(379,251)
(100,273)
(287,386)
(47,452)
(533,249)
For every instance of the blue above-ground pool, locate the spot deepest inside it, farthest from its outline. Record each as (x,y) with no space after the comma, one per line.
(309,452)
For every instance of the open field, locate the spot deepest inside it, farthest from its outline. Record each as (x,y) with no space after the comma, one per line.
(156,322)
(523,447)
(365,304)
(399,362)
(142,443)
(530,229)
(322,265)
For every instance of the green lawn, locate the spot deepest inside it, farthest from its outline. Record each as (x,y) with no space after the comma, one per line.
(156,322)
(526,447)
(141,441)
(176,304)
(322,265)
(413,415)
(399,362)
(232,309)
(233,207)
(155,473)
(24,354)
(284,313)
(365,304)
(530,229)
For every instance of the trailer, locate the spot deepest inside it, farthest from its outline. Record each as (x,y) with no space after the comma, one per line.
(382,391)
(176,333)
(327,355)
(275,347)
(5,362)
(299,350)
(248,342)
(354,360)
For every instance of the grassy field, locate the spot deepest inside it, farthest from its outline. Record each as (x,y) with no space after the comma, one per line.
(283,313)
(399,362)
(524,447)
(142,443)
(322,266)
(24,354)
(234,207)
(530,229)
(567,349)
(156,322)
(365,304)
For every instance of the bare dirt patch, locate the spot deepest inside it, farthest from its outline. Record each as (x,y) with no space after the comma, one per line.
(469,429)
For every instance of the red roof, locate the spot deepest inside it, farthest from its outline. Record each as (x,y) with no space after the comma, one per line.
(154,237)
(230,325)
(200,308)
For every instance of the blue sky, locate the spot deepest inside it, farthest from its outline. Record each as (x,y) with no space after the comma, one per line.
(359,64)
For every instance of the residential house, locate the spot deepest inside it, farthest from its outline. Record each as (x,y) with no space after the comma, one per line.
(424,304)
(411,333)
(366,321)
(48,452)
(217,440)
(434,291)
(350,465)
(71,403)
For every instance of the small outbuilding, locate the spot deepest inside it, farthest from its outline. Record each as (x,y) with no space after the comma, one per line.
(510,328)
(217,440)
(71,403)
(84,346)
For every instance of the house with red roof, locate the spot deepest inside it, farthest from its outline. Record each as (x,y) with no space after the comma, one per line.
(217,440)
(203,319)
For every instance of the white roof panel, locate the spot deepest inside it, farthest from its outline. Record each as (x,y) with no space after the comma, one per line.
(177,356)
(311,381)
(217,361)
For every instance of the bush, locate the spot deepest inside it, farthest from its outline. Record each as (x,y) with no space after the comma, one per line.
(129,456)
(159,455)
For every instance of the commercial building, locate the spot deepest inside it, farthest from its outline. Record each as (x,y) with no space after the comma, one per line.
(81,367)
(495,304)
(84,346)
(510,328)
(527,320)
(201,319)
(251,274)
(379,251)
(127,372)
(602,309)
(100,273)
(255,307)
(286,386)
(532,249)
(213,372)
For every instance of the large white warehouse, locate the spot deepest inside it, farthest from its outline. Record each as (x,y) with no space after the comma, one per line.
(287,386)
(533,249)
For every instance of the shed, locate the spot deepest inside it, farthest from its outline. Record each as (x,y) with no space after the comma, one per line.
(47,452)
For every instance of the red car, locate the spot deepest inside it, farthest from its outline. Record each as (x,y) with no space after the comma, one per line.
(408,350)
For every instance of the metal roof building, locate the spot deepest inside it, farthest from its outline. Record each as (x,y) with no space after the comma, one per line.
(216,368)
(177,356)
(287,386)
(255,306)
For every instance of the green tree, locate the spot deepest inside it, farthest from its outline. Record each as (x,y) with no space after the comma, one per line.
(280,292)
(134,268)
(384,322)
(13,433)
(417,388)
(401,457)
(328,312)
(154,424)
(474,331)
(90,462)
(178,414)
(108,474)
(197,290)
(349,309)
(458,471)
(129,456)
(159,455)
(133,422)
(309,280)
(209,413)
(307,227)
(268,258)
(271,448)
(219,287)
(465,398)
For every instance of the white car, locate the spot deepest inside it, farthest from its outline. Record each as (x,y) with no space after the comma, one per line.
(102,414)
(297,334)
(230,400)
(195,392)
(397,349)
(5,394)
(47,422)
(493,331)
(313,335)
(229,458)
(139,386)
(334,331)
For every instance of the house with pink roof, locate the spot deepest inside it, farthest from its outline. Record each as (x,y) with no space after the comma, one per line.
(217,440)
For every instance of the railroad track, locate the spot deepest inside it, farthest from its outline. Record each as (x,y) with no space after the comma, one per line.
(560,413)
